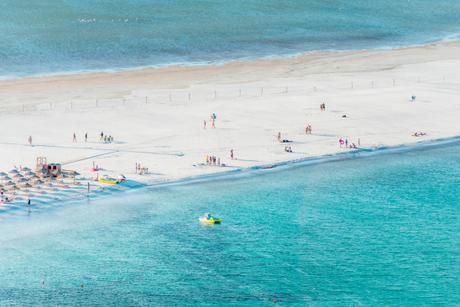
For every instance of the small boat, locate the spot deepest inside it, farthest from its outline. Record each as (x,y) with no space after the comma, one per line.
(108,180)
(210,220)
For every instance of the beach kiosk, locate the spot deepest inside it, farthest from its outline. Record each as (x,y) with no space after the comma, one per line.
(48,169)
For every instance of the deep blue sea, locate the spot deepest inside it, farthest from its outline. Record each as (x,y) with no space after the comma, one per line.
(375,231)
(61,36)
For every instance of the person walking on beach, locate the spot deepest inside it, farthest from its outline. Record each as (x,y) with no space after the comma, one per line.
(279,137)
(231,154)
(204,124)
(102,135)
(74,137)
(86,137)
(346,143)
(30,140)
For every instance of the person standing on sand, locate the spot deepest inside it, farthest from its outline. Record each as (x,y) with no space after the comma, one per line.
(279,137)
(30,140)
(231,154)
(102,135)
(86,137)
(74,137)
(204,124)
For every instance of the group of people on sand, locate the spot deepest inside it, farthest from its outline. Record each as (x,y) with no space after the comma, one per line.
(106,138)
(212,119)
(322,107)
(344,143)
(417,134)
(281,140)
(213,161)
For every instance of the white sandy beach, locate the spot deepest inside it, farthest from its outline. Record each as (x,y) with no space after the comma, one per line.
(253,101)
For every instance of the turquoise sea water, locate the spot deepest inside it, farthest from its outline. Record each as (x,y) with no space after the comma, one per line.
(380,230)
(54,36)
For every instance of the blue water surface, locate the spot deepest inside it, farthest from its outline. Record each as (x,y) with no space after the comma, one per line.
(57,36)
(376,231)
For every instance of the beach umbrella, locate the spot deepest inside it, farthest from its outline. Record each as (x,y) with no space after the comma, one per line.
(36,180)
(29,174)
(23,180)
(26,169)
(13,171)
(3,174)
(5,178)
(26,185)
(9,183)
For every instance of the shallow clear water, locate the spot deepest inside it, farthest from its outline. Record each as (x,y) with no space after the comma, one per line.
(49,36)
(381,230)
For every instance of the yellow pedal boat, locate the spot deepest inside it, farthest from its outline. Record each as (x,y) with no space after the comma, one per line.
(109,180)
(211,221)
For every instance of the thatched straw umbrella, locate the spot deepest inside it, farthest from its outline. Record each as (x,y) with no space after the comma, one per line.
(17,177)
(25,185)
(22,180)
(29,174)
(9,184)
(5,178)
